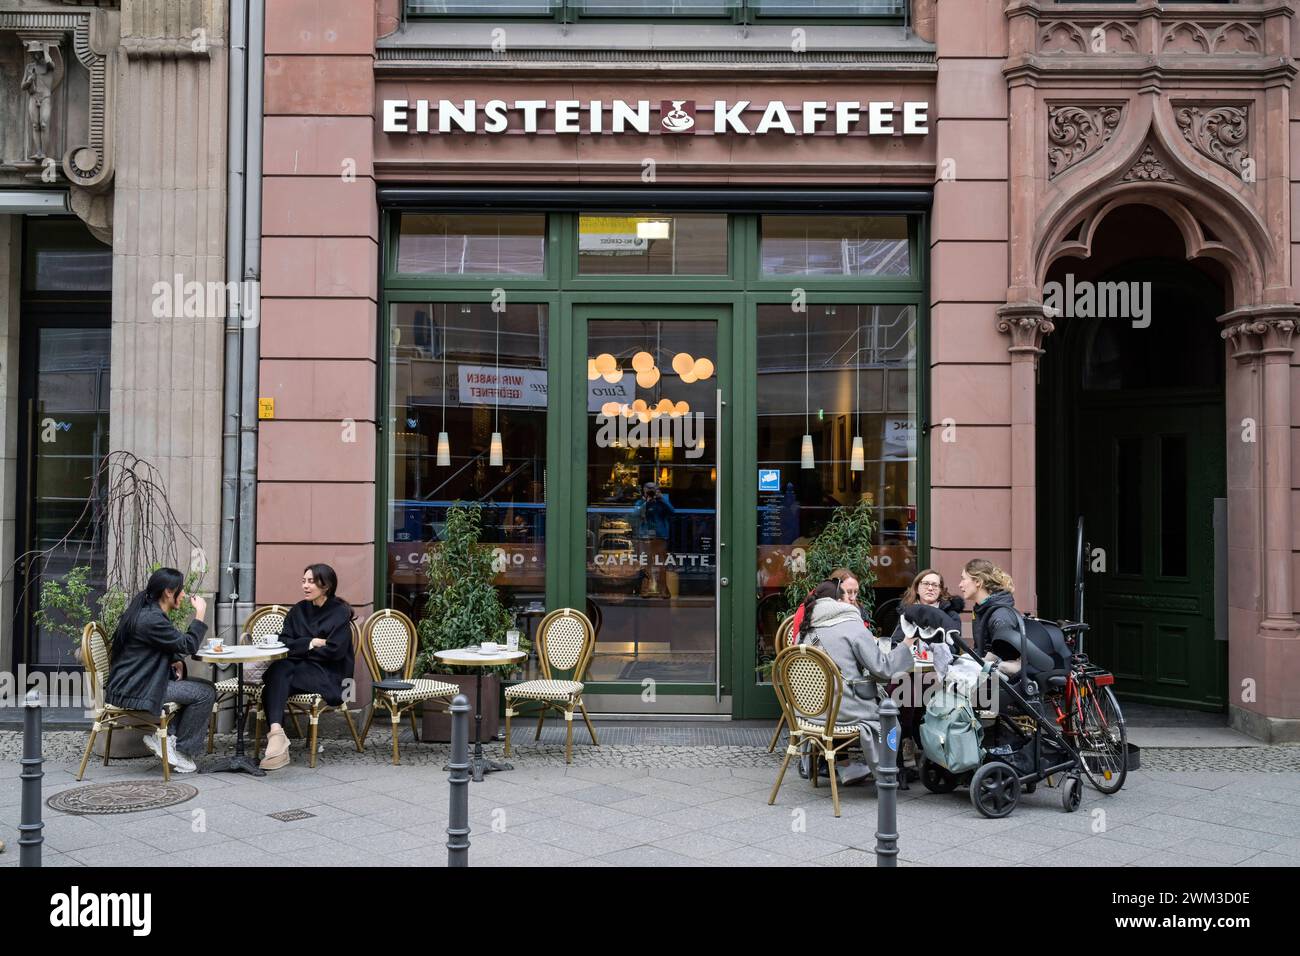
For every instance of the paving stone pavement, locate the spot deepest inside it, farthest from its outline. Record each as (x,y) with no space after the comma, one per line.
(657,805)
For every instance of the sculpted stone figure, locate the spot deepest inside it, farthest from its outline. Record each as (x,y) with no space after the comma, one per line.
(43,73)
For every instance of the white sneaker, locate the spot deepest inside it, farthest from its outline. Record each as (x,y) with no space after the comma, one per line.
(151,742)
(180,763)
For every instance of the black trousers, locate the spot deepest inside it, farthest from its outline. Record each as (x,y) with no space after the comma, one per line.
(285,678)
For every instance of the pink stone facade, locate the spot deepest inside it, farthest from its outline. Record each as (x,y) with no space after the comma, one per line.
(1014,187)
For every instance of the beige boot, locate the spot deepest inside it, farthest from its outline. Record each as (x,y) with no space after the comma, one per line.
(277,751)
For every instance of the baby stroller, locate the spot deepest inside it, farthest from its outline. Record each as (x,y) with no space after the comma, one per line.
(1056,717)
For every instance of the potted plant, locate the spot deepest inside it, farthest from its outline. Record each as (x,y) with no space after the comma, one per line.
(462,608)
(845,542)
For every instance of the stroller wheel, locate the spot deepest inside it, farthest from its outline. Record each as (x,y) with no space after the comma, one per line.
(1071,793)
(995,789)
(937,779)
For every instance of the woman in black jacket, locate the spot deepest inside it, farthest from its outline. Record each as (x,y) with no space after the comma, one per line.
(144,666)
(317,631)
(996,625)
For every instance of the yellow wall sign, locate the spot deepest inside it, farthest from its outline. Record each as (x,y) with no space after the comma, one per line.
(266,408)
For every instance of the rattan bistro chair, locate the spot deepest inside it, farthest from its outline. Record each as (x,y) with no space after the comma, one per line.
(810,695)
(95,657)
(263,621)
(566,641)
(784,638)
(313,706)
(389,642)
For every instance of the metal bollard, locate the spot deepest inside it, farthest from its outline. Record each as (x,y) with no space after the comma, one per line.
(29,830)
(458,816)
(887,786)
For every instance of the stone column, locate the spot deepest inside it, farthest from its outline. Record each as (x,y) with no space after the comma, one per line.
(10,279)
(1262,700)
(169,222)
(1026,323)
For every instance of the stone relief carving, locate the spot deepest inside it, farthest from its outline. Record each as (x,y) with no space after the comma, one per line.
(1149,168)
(1076,132)
(1209,38)
(1221,132)
(1088,36)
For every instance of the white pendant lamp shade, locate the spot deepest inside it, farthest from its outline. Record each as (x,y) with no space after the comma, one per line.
(806,458)
(856,460)
(496,455)
(444,450)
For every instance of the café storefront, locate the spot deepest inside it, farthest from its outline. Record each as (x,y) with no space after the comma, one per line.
(660,386)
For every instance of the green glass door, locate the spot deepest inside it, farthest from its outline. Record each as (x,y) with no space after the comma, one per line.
(1148,486)
(651,483)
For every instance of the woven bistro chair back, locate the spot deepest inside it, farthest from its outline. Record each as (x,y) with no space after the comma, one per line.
(389,644)
(811,684)
(265,620)
(784,634)
(565,640)
(95,657)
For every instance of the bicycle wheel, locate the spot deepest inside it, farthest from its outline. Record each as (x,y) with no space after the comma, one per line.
(1101,737)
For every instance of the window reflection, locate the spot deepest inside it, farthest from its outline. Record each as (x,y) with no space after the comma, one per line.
(447,244)
(838,373)
(835,246)
(652,244)
(444,369)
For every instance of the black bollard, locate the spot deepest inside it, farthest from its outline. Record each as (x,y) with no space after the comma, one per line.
(887,786)
(29,830)
(458,816)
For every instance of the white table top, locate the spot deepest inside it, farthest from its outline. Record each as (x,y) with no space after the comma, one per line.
(243,654)
(471,657)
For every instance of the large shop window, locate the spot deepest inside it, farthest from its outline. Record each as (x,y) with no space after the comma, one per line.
(837,413)
(467,396)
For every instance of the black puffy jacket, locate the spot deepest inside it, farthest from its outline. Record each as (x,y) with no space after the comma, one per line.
(996,621)
(137,678)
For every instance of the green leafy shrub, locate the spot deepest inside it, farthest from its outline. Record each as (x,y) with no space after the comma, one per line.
(462,606)
(65,605)
(845,542)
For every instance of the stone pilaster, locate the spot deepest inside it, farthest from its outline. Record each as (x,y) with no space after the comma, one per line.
(1026,324)
(169,228)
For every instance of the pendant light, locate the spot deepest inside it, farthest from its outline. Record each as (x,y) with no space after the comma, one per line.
(857,461)
(444,443)
(806,458)
(496,455)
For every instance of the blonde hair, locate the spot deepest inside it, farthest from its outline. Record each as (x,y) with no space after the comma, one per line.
(989,576)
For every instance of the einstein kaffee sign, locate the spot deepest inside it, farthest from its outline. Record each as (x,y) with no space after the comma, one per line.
(677,117)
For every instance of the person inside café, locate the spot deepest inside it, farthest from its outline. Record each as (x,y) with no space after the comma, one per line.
(318,635)
(145,670)
(835,625)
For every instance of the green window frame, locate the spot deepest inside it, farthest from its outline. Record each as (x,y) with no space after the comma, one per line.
(565,291)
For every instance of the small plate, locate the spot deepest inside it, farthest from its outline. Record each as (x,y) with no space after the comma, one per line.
(220,653)
(266,647)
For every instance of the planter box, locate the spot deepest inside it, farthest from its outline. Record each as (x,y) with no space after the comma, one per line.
(436,723)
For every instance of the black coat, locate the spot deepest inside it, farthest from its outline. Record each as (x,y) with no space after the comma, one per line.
(137,677)
(996,622)
(320,670)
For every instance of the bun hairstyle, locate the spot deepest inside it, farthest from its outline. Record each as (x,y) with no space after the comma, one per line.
(989,576)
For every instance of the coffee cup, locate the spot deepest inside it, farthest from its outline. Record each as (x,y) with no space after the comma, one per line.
(488,647)
(263,639)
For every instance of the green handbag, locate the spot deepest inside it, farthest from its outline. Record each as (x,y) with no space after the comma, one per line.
(951,734)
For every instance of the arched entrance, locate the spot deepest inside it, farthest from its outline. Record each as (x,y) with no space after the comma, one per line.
(1131,435)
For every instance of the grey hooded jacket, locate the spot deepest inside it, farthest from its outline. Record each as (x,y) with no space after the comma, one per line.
(837,629)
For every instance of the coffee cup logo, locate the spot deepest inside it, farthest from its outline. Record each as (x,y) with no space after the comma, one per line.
(677,116)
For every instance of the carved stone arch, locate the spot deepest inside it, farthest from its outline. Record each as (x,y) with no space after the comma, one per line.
(1159,170)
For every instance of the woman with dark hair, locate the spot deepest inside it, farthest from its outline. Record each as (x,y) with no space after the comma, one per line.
(318,634)
(147,650)
(927,588)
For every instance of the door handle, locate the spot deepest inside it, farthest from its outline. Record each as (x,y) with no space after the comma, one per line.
(724,582)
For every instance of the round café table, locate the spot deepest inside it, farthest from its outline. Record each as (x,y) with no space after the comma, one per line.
(239,655)
(470,657)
